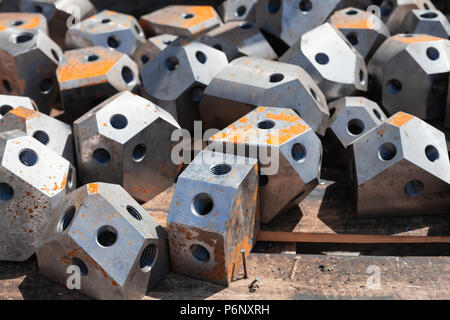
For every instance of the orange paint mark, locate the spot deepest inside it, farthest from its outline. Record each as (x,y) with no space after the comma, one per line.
(30,21)
(359,21)
(400,118)
(77,67)
(416,39)
(92,188)
(25,113)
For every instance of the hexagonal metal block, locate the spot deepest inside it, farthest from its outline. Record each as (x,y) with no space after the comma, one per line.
(289,20)
(410,73)
(239,38)
(33,180)
(28,60)
(89,76)
(151,48)
(394,12)
(287,149)
(60,14)
(115,246)
(184,69)
(431,22)
(51,132)
(363,29)
(238,10)
(187,21)
(116,145)
(24,21)
(353,117)
(8,103)
(338,69)
(107,29)
(250,82)
(213,216)
(401,168)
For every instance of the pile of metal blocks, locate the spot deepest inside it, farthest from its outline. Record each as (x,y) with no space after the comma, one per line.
(99,109)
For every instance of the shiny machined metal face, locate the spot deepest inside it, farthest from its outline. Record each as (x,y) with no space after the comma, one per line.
(108,29)
(24,21)
(187,21)
(249,82)
(49,131)
(8,103)
(120,251)
(431,22)
(184,69)
(117,145)
(288,151)
(364,30)
(213,215)
(33,179)
(91,75)
(401,168)
(289,20)
(394,12)
(353,117)
(410,73)
(20,52)
(239,38)
(337,68)
(238,10)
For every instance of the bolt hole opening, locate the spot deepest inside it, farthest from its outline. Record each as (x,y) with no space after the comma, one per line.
(66,219)
(273,6)
(276,77)
(201,57)
(355,127)
(134,213)
(298,152)
(387,151)
(41,136)
(28,157)
(202,204)
(106,236)
(266,124)
(200,253)
(172,63)
(322,58)
(4,109)
(101,156)
(113,42)
(414,188)
(148,258)
(220,169)
(6,192)
(118,121)
(431,153)
(139,152)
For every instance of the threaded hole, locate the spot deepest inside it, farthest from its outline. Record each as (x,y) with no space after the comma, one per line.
(355,127)
(220,169)
(200,253)
(432,153)
(67,218)
(148,258)
(387,151)
(118,121)
(414,188)
(101,156)
(28,157)
(134,213)
(6,192)
(41,136)
(202,204)
(106,236)
(80,264)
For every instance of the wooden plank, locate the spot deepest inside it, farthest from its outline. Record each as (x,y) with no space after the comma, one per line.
(279,236)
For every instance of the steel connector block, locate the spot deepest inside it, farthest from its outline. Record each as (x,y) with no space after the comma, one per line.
(338,69)
(60,14)
(8,103)
(151,48)
(91,75)
(289,20)
(186,21)
(288,151)
(28,60)
(112,244)
(49,131)
(108,29)
(184,69)
(117,145)
(431,22)
(23,21)
(364,30)
(410,73)
(213,216)
(401,168)
(239,38)
(250,82)
(238,10)
(394,12)
(33,180)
